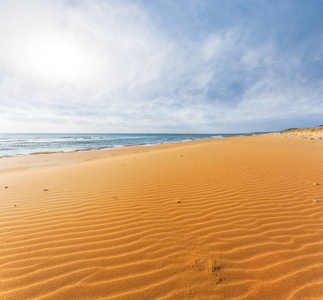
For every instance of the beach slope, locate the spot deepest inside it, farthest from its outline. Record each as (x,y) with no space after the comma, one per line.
(233,218)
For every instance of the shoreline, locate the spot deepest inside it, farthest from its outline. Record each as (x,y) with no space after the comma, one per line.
(28,161)
(107,147)
(76,156)
(56,158)
(304,133)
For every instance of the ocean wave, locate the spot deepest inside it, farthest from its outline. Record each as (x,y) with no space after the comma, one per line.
(26,144)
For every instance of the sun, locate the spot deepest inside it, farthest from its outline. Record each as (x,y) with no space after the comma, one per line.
(56,59)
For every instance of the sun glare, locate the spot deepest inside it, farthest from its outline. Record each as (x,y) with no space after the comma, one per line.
(57,60)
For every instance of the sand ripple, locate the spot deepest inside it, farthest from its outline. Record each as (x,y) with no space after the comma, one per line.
(246,227)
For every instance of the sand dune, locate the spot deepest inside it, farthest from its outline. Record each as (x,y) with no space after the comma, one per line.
(236,218)
(304,132)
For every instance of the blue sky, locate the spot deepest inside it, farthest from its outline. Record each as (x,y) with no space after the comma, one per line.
(160,66)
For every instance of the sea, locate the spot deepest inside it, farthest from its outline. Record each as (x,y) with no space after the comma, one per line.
(14,144)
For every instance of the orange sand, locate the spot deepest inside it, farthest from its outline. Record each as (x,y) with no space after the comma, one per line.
(249,224)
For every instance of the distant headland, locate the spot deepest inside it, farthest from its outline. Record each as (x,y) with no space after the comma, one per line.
(315,132)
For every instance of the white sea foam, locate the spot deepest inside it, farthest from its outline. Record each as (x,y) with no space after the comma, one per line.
(217,137)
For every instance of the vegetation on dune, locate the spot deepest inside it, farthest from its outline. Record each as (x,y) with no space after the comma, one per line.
(315,128)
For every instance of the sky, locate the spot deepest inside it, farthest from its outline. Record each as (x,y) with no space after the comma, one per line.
(160,66)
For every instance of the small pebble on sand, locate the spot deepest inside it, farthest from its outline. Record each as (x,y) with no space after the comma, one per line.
(178,201)
(45,190)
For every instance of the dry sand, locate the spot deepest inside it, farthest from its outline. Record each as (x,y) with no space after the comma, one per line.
(249,224)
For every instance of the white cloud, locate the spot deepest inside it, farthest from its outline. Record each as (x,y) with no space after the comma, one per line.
(93,50)
(108,66)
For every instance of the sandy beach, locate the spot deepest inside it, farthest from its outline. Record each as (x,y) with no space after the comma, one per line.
(233,218)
